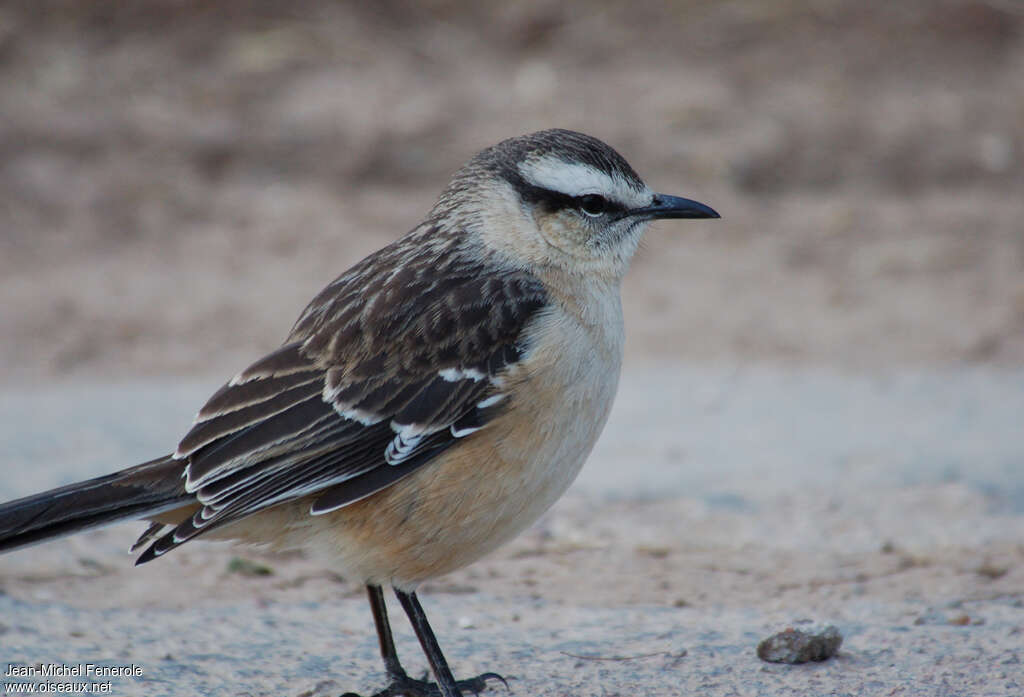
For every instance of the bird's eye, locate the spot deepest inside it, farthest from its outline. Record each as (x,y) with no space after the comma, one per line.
(593,204)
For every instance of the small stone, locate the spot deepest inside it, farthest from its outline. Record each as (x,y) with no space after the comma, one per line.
(810,643)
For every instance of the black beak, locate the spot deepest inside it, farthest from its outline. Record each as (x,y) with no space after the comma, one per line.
(665,206)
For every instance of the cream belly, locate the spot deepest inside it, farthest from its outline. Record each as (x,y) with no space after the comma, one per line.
(489,487)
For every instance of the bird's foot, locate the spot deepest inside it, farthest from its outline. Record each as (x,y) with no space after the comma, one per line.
(404,686)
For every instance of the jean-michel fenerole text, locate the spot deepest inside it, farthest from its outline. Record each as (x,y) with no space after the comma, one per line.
(76,670)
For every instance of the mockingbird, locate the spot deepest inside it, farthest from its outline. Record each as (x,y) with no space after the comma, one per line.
(426,407)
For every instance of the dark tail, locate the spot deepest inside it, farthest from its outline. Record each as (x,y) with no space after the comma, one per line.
(138,492)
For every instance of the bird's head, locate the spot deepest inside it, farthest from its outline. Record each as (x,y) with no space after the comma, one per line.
(558,198)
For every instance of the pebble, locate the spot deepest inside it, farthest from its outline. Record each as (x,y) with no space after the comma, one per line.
(808,643)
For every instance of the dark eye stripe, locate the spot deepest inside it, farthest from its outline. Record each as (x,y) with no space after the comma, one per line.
(547,199)
(551,201)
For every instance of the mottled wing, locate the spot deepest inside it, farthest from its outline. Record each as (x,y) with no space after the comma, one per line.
(386,369)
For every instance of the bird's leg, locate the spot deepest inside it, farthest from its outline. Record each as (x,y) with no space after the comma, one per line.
(401,683)
(388,652)
(445,680)
(418,619)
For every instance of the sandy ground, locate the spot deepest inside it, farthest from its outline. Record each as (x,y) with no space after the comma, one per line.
(658,574)
(836,438)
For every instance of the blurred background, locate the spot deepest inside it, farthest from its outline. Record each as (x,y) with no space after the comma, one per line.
(820,412)
(177,178)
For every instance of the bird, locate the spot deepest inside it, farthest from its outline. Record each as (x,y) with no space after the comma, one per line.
(427,406)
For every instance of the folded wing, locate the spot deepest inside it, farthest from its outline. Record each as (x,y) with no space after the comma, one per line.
(370,386)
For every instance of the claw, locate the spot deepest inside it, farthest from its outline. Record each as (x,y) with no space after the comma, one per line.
(479,683)
(404,686)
